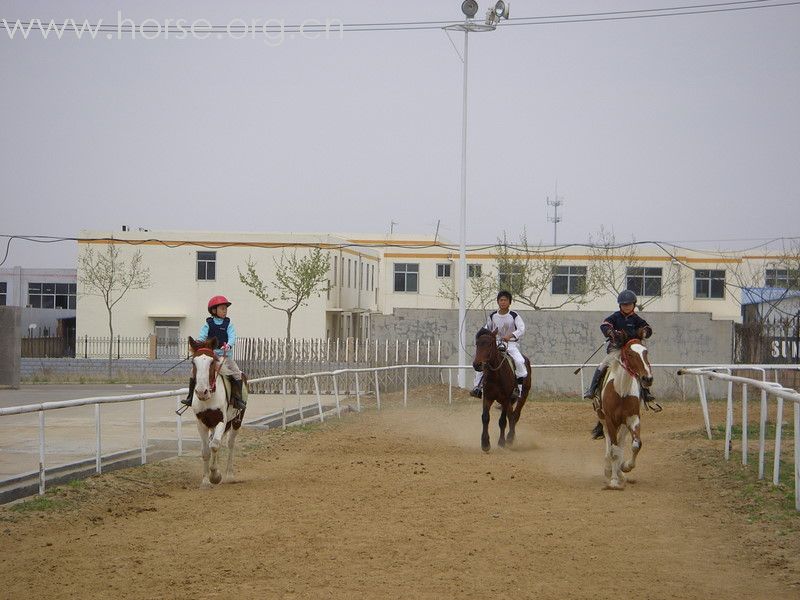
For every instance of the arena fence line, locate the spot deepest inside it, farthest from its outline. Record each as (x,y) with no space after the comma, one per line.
(768,389)
(372,385)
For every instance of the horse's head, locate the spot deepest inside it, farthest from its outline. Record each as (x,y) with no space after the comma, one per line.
(205,366)
(485,348)
(634,359)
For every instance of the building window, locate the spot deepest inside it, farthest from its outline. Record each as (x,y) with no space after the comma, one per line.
(3,293)
(511,278)
(349,273)
(443,270)
(787,279)
(335,268)
(474,270)
(406,277)
(52,295)
(569,280)
(206,266)
(361,276)
(709,284)
(644,281)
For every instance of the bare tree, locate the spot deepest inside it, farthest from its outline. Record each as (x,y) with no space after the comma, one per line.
(613,263)
(296,280)
(107,275)
(528,273)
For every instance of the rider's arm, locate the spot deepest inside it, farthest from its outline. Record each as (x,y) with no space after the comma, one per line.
(231,334)
(520,329)
(203,333)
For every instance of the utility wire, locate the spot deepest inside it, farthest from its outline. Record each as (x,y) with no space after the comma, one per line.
(683,10)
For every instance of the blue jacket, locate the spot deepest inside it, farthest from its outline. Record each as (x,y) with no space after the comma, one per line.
(222,329)
(630,325)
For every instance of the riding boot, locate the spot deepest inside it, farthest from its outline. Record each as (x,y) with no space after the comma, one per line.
(476,392)
(236,394)
(591,391)
(188,400)
(597,432)
(646,395)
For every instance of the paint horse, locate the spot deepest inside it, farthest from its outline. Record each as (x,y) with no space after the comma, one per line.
(619,410)
(217,420)
(499,381)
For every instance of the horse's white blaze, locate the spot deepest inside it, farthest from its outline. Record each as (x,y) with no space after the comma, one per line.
(640,350)
(202,385)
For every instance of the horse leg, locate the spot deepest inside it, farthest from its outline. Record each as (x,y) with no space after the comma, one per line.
(513,419)
(216,440)
(613,458)
(501,441)
(229,476)
(205,451)
(634,424)
(485,445)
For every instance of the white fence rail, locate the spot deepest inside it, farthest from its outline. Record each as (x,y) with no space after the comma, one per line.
(767,389)
(700,372)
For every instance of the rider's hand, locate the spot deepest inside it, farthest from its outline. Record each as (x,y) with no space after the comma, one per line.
(226,347)
(508,338)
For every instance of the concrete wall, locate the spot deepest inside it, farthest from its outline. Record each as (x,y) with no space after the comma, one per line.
(569,337)
(97,369)
(10,317)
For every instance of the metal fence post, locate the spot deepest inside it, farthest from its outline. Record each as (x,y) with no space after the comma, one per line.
(336,394)
(41,454)
(98,467)
(776,463)
(143,431)
(405,386)
(377,386)
(319,399)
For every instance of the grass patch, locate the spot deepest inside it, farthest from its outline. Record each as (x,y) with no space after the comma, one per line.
(757,499)
(40,504)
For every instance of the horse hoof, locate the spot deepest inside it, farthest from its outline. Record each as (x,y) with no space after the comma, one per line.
(215,477)
(501,443)
(485,447)
(614,485)
(205,485)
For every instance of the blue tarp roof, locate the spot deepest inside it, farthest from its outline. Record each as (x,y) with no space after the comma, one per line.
(766,294)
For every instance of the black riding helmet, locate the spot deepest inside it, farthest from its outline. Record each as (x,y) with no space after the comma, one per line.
(626,297)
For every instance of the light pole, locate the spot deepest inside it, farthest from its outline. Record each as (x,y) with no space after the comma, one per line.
(493,16)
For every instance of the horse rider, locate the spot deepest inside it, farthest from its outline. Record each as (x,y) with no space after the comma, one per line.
(509,328)
(618,328)
(219,326)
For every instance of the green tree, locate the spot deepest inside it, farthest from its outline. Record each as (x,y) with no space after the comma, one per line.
(108,275)
(297,278)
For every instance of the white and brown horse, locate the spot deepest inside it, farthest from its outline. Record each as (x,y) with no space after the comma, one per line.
(619,410)
(217,420)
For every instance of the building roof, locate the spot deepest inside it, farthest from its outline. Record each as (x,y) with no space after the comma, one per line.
(767,294)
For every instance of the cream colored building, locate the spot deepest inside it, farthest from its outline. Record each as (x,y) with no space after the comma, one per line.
(377,274)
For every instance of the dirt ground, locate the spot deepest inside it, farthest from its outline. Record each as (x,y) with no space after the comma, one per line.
(402,503)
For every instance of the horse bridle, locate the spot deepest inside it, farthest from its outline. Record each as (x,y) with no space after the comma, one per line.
(213,369)
(489,365)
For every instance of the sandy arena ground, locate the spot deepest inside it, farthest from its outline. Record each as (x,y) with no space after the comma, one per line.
(403,504)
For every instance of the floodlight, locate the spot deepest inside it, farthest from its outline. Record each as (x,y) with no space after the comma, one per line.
(469,8)
(502,9)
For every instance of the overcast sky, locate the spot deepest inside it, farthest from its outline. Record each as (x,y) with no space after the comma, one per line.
(680,128)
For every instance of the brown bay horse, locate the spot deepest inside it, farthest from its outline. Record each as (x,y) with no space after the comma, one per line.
(499,381)
(619,410)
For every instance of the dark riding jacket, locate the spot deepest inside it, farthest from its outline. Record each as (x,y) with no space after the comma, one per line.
(630,324)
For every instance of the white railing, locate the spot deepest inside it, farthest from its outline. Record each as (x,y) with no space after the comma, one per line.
(98,401)
(700,371)
(767,389)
